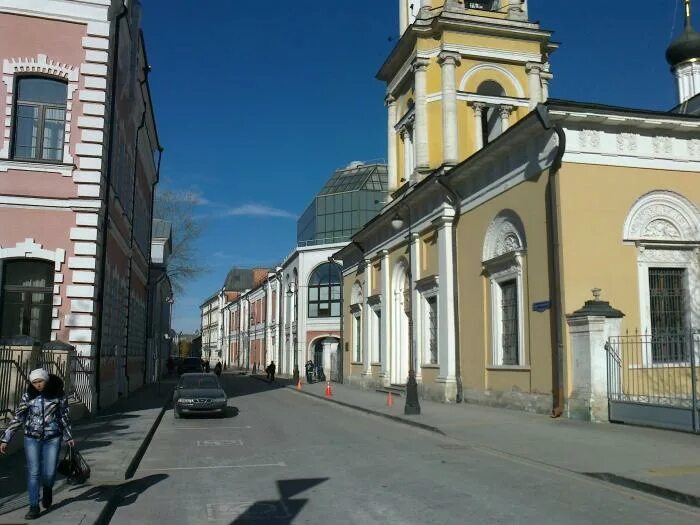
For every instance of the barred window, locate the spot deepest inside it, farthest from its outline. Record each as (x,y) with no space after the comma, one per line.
(27,299)
(668,315)
(432,329)
(509,320)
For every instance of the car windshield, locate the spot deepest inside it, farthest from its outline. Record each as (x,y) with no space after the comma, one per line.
(199,382)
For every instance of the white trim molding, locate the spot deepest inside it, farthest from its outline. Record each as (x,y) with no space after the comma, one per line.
(515,84)
(41,64)
(503,254)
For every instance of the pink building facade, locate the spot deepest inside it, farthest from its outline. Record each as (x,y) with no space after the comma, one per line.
(79,156)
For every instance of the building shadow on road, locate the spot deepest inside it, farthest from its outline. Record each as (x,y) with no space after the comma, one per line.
(114,496)
(281,511)
(239,386)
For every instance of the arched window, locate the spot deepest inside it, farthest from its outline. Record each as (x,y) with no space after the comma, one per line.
(27,299)
(40,119)
(491,125)
(324,291)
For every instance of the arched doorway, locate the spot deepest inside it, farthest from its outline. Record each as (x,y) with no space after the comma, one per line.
(398,373)
(324,354)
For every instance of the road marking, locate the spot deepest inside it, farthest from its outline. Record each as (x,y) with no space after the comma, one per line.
(219,442)
(261,465)
(211,428)
(674,471)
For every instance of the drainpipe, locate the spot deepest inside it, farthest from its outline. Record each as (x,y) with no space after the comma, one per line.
(108,194)
(555,266)
(456,201)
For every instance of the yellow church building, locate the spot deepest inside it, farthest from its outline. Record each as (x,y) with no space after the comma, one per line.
(535,253)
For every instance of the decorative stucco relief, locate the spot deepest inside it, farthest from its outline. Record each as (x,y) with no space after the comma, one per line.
(504,235)
(627,142)
(663,215)
(662,145)
(589,138)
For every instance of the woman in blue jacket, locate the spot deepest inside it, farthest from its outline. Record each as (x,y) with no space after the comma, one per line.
(43,411)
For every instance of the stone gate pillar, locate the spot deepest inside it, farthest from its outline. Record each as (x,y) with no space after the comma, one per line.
(589,329)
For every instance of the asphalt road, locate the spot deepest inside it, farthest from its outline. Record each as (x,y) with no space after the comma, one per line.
(282,457)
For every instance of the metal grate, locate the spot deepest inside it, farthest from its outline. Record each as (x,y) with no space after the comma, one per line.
(666,299)
(509,320)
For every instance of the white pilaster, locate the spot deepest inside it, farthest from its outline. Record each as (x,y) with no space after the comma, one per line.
(420,68)
(367,325)
(408,155)
(386,326)
(391,142)
(414,246)
(446,310)
(449,62)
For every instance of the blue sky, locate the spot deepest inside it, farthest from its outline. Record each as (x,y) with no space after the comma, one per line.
(258,102)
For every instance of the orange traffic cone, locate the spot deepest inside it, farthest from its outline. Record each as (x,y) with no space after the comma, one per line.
(389,400)
(329,391)
(298,384)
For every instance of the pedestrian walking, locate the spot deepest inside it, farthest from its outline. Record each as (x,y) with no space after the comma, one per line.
(309,367)
(271,368)
(43,410)
(217,368)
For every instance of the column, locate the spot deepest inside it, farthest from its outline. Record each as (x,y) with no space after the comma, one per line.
(391,142)
(534,83)
(546,77)
(386,302)
(505,112)
(367,325)
(420,68)
(446,305)
(449,61)
(478,108)
(268,324)
(414,246)
(407,154)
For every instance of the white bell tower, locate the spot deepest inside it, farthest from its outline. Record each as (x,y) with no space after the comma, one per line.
(684,57)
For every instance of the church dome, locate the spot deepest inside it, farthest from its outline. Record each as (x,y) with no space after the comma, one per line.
(685,47)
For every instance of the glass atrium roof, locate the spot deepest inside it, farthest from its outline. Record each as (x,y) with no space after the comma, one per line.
(355,177)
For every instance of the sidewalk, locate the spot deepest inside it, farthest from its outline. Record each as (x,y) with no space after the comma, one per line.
(661,462)
(112,443)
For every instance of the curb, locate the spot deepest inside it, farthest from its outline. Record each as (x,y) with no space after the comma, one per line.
(654,490)
(105,515)
(398,419)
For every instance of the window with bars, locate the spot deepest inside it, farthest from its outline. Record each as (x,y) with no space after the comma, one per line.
(509,323)
(432,329)
(27,299)
(668,315)
(357,329)
(40,119)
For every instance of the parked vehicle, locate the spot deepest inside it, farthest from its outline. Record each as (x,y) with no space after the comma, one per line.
(199,394)
(190,365)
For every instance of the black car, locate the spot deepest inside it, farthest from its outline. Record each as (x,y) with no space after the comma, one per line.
(199,394)
(190,365)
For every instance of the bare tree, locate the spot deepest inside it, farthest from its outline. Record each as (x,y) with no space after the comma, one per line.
(178,208)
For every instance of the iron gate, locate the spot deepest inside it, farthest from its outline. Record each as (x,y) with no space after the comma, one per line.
(653,380)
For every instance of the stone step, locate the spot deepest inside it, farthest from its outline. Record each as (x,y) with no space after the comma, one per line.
(396,390)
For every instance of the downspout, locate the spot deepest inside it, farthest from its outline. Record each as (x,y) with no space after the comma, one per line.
(108,195)
(456,205)
(131,255)
(554,256)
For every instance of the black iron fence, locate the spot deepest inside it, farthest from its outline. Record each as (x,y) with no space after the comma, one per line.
(17,361)
(653,379)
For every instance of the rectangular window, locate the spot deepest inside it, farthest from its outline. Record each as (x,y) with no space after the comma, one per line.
(509,322)
(432,330)
(668,316)
(358,338)
(378,320)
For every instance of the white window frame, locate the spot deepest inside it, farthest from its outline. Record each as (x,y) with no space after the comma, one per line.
(667,257)
(356,311)
(506,268)
(428,288)
(375,329)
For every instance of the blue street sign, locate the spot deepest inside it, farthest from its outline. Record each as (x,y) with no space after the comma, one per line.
(541,306)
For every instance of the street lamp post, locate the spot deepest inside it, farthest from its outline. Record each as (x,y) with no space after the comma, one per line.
(291,290)
(412,406)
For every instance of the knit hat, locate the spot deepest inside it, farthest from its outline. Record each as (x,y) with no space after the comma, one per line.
(39,373)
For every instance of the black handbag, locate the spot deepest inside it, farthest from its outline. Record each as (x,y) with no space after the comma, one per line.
(74,467)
